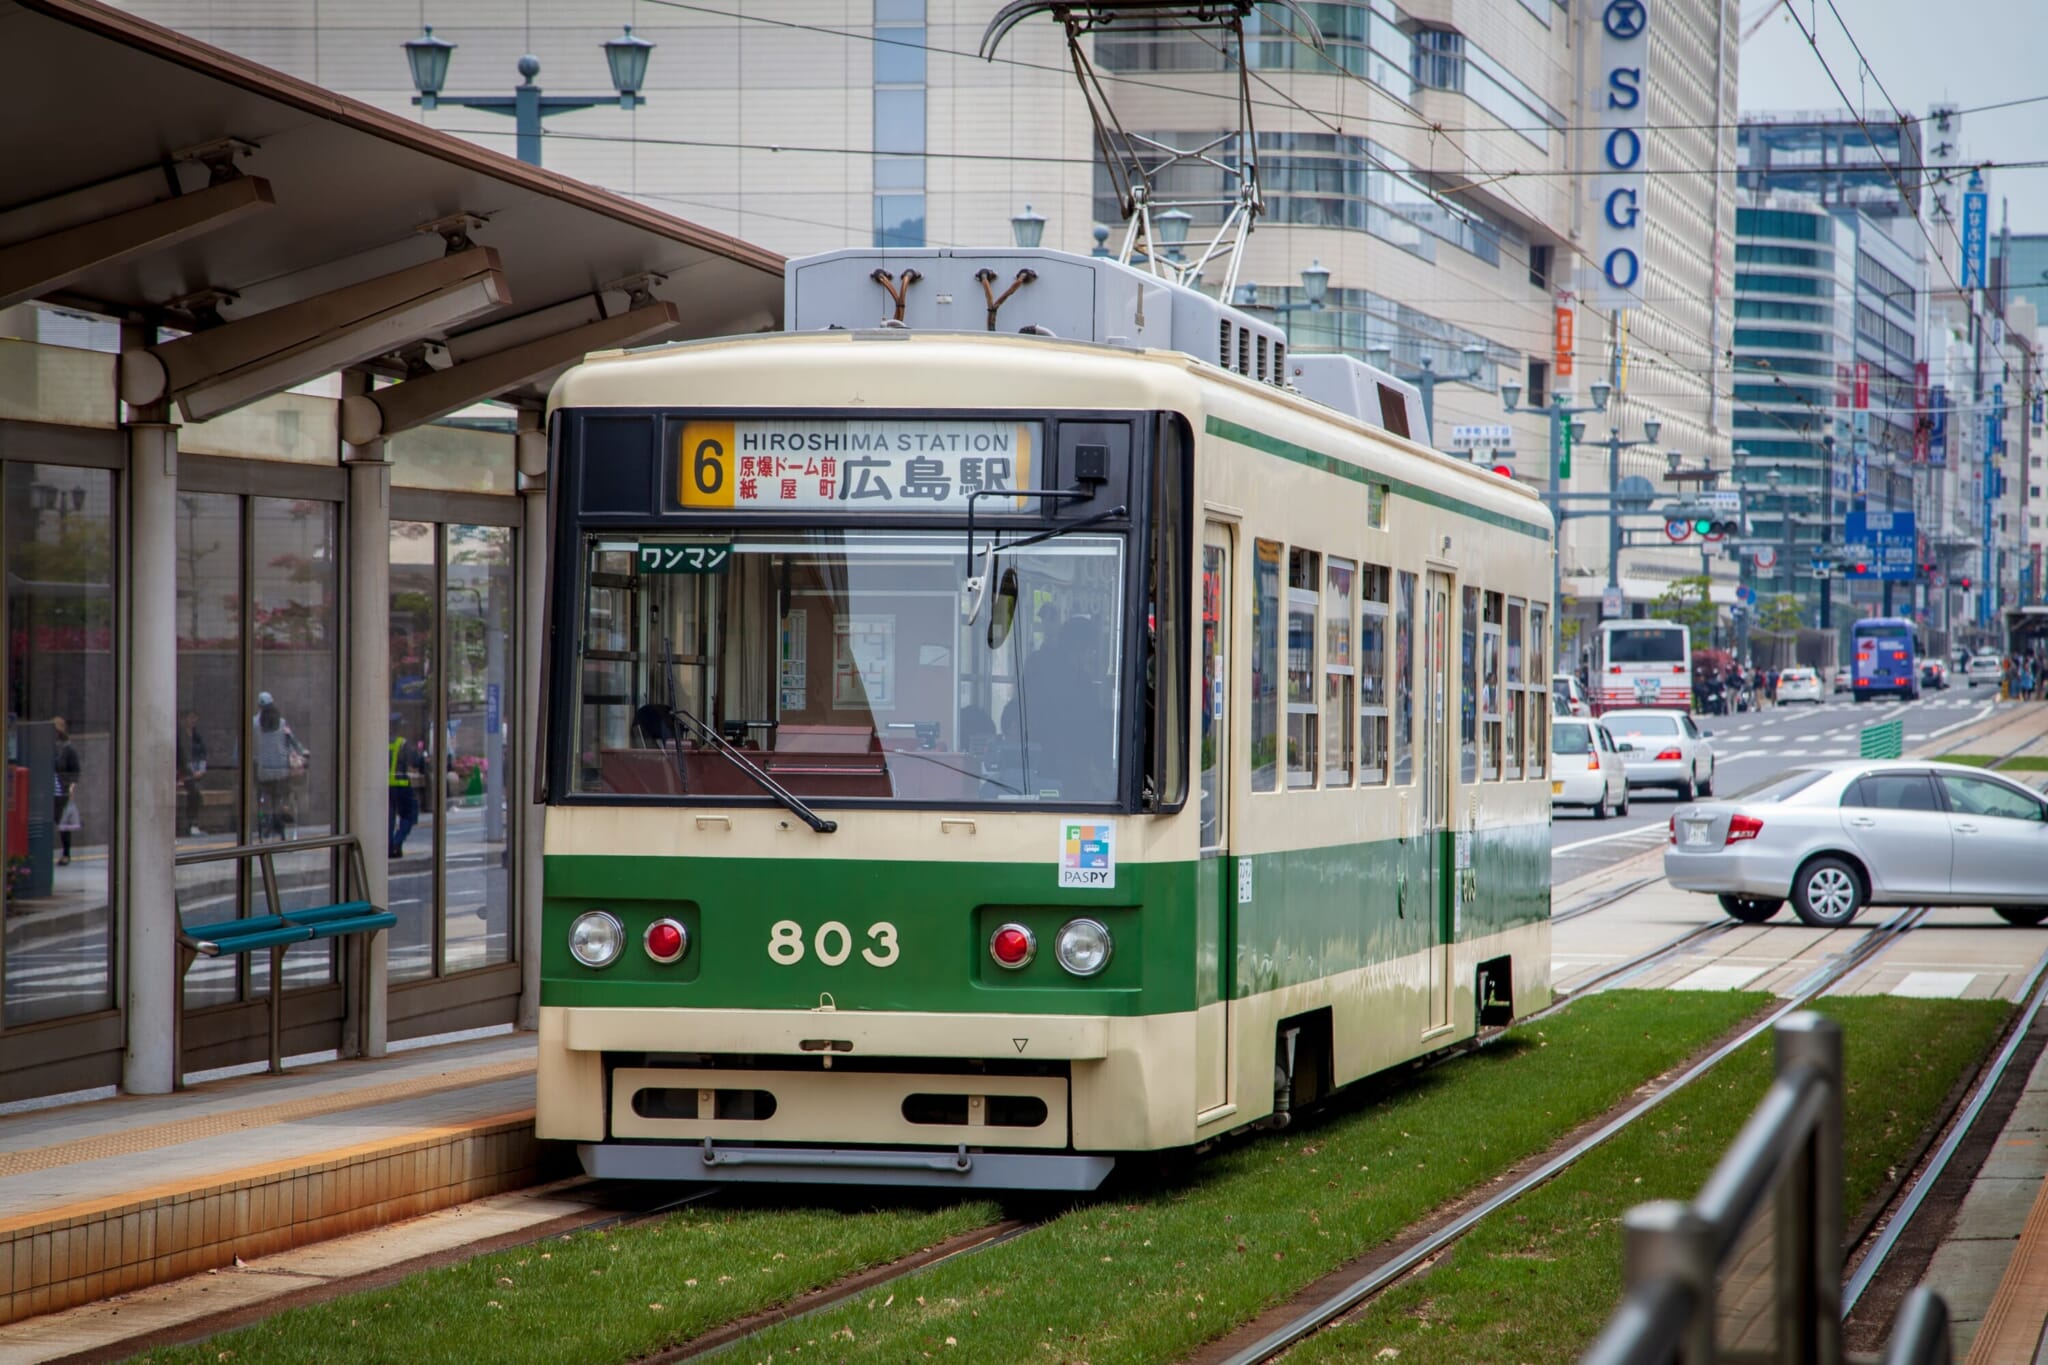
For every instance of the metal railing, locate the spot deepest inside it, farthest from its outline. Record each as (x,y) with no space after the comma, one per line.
(1786,1164)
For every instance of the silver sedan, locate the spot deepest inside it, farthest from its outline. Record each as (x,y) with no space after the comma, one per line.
(1833,838)
(1665,749)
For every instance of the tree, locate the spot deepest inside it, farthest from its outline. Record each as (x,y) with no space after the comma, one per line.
(1780,615)
(1688,602)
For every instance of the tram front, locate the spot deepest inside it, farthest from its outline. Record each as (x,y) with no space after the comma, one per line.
(867,734)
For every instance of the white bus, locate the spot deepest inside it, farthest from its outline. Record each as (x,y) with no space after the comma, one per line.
(1644,663)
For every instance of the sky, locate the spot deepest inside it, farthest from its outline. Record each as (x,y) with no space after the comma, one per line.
(1967,52)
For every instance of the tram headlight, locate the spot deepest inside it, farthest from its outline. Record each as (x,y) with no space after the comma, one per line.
(1082,946)
(596,938)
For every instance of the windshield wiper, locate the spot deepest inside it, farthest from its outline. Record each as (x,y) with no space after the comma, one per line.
(977,583)
(760,775)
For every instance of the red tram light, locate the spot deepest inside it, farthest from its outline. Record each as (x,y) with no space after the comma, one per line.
(665,940)
(1012,946)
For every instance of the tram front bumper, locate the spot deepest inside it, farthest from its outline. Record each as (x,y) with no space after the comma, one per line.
(1111,1084)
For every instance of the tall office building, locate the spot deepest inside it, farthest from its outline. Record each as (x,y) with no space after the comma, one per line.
(1437,159)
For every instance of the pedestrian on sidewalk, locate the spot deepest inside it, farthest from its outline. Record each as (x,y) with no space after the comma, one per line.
(279,758)
(68,768)
(405,764)
(191,767)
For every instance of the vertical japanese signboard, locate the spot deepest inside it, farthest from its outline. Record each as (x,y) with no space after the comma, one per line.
(1862,384)
(1920,413)
(1564,338)
(1976,234)
(1937,425)
(1623,101)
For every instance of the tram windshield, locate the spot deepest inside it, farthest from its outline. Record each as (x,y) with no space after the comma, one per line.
(837,661)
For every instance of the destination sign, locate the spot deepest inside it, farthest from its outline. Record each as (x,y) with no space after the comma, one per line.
(886,465)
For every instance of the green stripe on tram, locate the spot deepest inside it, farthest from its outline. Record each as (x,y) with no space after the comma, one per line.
(1314,913)
(1344,469)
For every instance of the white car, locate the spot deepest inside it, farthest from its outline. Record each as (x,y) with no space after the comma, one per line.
(1586,768)
(1664,749)
(1570,697)
(1985,668)
(1799,684)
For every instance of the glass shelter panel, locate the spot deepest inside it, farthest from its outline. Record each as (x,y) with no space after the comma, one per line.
(413,756)
(60,797)
(478,611)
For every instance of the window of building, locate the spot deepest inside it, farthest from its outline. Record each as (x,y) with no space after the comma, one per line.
(899,56)
(1538,391)
(1340,670)
(899,220)
(1265,698)
(1303,599)
(1372,675)
(899,122)
(1440,59)
(1539,264)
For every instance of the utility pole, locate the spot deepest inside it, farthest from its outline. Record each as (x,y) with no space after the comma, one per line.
(1561,411)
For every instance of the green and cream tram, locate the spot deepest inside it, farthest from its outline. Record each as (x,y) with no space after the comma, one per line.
(971,756)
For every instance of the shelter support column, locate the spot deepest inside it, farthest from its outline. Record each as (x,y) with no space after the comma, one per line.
(532,453)
(149,1065)
(369,707)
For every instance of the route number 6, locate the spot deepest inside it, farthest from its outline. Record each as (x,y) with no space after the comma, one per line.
(833,943)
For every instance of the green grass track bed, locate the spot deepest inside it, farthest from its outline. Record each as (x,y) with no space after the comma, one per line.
(1172,1262)
(611,1295)
(1538,1282)
(2022,763)
(1167,1259)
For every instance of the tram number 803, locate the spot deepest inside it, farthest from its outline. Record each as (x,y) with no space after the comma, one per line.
(833,943)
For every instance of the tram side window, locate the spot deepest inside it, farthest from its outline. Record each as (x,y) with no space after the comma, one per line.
(1468,690)
(1376,506)
(1404,679)
(1339,671)
(1372,674)
(1491,701)
(1539,689)
(1517,680)
(1166,676)
(1265,699)
(1303,581)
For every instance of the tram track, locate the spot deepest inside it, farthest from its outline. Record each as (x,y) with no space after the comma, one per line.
(1387,1268)
(1898,1218)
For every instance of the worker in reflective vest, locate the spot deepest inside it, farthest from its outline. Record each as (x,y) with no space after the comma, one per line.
(405,801)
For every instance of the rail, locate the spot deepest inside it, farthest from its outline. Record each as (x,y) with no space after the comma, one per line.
(1785,1164)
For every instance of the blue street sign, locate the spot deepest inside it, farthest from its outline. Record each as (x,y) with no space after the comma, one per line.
(1892,541)
(1937,425)
(1976,232)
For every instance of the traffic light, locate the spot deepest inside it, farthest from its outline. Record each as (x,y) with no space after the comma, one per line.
(1713,528)
(1964,582)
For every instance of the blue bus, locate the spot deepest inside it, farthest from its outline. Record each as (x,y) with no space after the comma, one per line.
(1887,658)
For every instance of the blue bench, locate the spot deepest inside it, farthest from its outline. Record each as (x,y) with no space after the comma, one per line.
(276,933)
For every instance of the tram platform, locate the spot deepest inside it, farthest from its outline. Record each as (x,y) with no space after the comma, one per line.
(112,1195)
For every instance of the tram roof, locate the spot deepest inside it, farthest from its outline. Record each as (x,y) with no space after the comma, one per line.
(123,130)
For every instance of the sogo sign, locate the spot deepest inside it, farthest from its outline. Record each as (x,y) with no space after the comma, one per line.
(1624,110)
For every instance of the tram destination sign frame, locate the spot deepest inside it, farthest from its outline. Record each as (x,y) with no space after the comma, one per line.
(893,466)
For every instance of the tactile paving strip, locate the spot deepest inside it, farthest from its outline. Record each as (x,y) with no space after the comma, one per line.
(240,1120)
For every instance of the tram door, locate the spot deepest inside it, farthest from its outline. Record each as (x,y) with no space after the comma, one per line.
(1438,661)
(1217,881)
